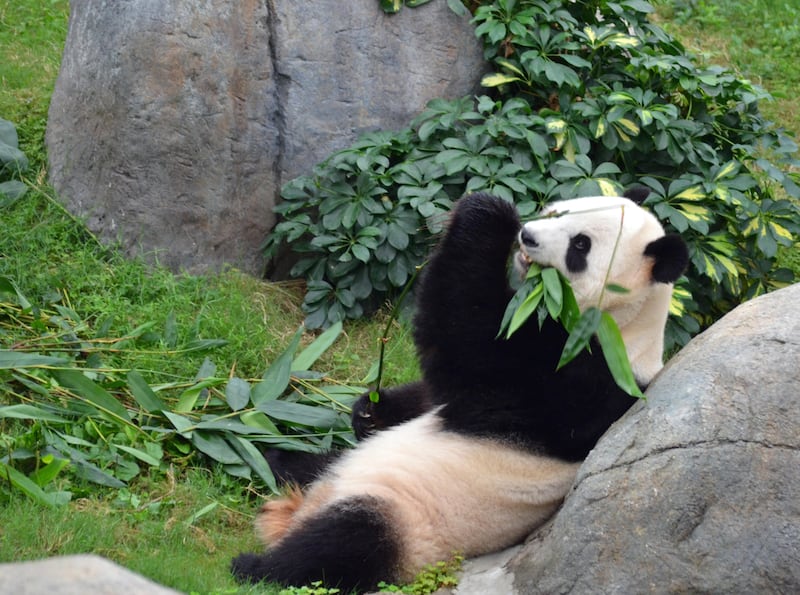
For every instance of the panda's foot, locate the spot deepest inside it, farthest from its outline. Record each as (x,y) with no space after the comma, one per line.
(351,544)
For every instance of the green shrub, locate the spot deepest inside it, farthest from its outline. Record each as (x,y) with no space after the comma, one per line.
(13,163)
(587,98)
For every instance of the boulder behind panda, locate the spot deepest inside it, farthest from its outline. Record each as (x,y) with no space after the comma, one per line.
(485,447)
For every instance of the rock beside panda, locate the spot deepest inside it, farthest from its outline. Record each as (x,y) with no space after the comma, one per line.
(75,575)
(697,490)
(173,125)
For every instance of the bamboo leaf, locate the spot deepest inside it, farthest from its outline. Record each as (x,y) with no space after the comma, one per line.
(143,456)
(297,413)
(513,305)
(306,358)
(188,398)
(258,419)
(48,472)
(616,356)
(93,393)
(570,311)
(214,446)
(24,411)
(614,288)
(143,394)
(580,336)
(30,489)
(228,424)
(201,513)
(7,285)
(83,468)
(526,309)
(171,330)
(183,425)
(19,359)
(553,297)
(276,378)
(203,345)
(251,455)
(237,393)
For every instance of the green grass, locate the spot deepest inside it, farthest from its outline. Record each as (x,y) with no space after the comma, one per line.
(152,532)
(32,34)
(53,258)
(154,526)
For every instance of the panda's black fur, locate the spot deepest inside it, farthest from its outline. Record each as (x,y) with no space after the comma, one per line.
(482,401)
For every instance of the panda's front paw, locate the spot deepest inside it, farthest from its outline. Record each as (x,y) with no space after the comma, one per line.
(363,417)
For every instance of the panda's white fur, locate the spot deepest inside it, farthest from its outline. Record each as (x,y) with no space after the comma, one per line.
(446,493)
(620,231)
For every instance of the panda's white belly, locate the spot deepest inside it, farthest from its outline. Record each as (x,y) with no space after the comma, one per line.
(449,493)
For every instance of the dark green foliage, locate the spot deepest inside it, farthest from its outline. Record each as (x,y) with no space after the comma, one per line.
(13,163)
(587,98)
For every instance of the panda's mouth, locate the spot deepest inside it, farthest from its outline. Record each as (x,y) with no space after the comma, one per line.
(522,262)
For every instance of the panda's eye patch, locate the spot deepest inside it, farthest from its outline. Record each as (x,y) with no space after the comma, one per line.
(580,243)
(577,251)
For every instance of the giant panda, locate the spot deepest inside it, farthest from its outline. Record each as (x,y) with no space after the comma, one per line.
(484,448)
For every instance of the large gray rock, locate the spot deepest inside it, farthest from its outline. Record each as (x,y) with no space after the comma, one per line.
(75,575)
(173,125)
(697,490)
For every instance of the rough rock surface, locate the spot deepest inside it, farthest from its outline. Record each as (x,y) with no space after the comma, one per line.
(173,125)
(698,489)
(75,575)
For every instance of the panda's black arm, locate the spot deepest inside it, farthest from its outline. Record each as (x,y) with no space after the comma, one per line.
(296,467)
(464,292)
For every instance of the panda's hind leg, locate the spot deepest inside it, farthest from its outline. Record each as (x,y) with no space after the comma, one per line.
(349,544)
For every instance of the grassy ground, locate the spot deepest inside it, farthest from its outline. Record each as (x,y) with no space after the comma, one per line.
(181,526)
(150,529)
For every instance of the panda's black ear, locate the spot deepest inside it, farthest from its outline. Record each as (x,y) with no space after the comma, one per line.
(637,194)
(671,257)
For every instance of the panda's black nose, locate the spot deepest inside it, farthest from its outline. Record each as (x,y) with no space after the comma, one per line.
(527,238)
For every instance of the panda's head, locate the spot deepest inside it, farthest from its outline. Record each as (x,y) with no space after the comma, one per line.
(616,257)
(602,241)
